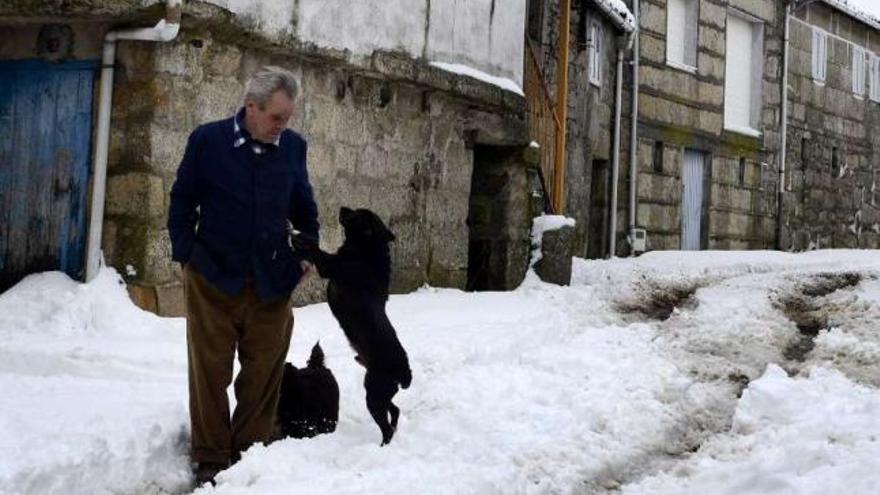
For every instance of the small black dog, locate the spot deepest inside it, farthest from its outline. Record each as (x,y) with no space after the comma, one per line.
(309,402)
(359,274)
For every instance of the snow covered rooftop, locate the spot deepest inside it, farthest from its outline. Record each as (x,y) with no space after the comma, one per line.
(619,13)
(867,11)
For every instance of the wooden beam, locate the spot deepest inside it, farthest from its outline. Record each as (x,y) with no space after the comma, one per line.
(561,105)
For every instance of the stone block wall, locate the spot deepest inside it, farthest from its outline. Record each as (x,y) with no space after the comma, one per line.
(832,148)
(499,217)
(401,148)
(590,110)
(678,110)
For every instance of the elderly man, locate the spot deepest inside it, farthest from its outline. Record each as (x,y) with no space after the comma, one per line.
(240,181)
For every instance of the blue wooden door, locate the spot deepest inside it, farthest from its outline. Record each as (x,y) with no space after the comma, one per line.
(45,137)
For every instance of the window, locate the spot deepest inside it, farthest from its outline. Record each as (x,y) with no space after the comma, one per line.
(820,55)
(835,163)
(805,152)
(681,33)
(658,157)
(743,74)
(858,71)
(874,77)
(595,61)
(742,171)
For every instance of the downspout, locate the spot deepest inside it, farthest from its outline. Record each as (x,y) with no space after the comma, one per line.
(783,139)
(615,159)
(633,133)
(165,30)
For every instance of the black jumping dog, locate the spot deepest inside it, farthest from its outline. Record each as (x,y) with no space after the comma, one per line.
(359,274)
(309,402)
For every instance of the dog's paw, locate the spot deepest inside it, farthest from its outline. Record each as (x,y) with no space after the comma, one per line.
(304,243)
(387,435)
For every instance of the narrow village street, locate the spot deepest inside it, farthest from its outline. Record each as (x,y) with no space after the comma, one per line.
(716,372)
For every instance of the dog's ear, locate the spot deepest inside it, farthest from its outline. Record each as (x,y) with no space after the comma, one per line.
(389,236)
(380,228)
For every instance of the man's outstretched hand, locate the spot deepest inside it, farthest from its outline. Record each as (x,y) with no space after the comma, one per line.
(304,244)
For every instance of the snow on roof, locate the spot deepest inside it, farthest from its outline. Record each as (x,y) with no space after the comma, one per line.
(465,70)
(867,11)
(619,13)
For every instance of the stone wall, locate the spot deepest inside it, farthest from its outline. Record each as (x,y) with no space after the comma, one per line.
(388,132)
(400,148)
(678,110)
(832,149)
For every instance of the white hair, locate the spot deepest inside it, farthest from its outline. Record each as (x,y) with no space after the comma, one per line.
(266,81)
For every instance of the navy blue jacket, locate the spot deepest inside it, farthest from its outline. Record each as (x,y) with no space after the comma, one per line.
(230,206)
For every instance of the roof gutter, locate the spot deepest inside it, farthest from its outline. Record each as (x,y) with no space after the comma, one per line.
(165,30)
(622,19)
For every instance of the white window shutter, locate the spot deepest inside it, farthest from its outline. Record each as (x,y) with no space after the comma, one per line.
(676,15)
(691,21)
(739,86)
(819,55)
(858,70)
(595,59)
(875,78)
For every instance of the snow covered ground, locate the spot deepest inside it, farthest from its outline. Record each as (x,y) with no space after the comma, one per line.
(675,373)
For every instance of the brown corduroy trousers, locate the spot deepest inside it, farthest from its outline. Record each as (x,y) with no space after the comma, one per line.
(216,325)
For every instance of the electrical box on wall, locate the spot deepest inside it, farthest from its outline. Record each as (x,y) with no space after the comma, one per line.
(638,239)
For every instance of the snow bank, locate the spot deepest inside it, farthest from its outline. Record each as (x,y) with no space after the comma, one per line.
(92,390)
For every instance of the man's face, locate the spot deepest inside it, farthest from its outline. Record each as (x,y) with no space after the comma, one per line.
(265,124)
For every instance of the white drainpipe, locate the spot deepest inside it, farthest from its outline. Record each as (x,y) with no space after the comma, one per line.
(633,134)
(165,30)
(615,157)
(783,140)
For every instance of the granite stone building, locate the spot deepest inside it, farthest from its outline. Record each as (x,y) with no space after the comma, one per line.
(392,124)
(709,125)
(707,129)
(830,185)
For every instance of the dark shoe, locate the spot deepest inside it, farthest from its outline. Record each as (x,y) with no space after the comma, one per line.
(206,472)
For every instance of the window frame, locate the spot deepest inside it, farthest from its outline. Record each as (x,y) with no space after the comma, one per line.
(597,33)
(874,77)
(690,39)
(859,71)
(757,76)
(819,55)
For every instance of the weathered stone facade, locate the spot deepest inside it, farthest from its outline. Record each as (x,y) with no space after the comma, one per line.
(678,110)
(389,133)
(590,115)
(832,148)
(681,110)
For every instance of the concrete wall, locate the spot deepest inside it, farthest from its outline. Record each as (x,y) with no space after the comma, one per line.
(485,34)
(826,206)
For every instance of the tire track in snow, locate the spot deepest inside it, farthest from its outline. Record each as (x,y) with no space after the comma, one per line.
(688,315)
